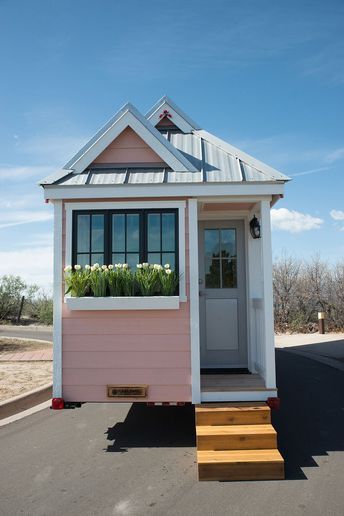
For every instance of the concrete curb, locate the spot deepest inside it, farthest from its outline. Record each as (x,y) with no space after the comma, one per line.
(26,338)
(25,401)
(331,362)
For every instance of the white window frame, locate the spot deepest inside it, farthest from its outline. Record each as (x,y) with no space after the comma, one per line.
(180,205)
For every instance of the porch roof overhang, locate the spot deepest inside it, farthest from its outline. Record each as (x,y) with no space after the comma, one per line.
(202,190)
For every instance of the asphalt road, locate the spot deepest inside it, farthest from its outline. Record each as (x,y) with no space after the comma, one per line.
(27,332)
(106,459)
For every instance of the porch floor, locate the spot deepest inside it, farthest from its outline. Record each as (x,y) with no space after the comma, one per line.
(232,382)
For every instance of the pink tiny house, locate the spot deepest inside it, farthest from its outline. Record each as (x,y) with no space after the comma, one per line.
(159,189)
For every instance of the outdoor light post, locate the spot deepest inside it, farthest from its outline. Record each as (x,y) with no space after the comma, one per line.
(321,322)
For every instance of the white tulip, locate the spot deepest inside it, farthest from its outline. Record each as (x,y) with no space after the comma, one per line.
(125,266)
(77,267)
(168,271)
(167,266)
(104,267)
(110,267)
(145,265)
(139,265)
(68,268)
(87,267)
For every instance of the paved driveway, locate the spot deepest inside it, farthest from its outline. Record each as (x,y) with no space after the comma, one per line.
(27,332)
(120,459)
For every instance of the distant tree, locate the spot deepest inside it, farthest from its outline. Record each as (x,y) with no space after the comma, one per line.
(12,288)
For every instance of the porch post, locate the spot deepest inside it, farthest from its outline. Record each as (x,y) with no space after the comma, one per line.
(194,302)
(57,293)
(270,368)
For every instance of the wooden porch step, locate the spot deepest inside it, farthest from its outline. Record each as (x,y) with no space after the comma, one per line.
(236,437)
(232,414)
(240,465)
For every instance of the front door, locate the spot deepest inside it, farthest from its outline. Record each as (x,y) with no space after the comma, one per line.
(222,290)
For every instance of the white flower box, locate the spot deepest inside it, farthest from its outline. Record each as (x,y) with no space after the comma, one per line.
(123,303)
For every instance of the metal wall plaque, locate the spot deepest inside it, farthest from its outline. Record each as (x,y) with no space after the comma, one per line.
(127,391)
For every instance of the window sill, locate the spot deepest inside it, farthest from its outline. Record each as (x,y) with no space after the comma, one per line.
(123,303)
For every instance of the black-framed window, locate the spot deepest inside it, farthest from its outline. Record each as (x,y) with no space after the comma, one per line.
(125,236)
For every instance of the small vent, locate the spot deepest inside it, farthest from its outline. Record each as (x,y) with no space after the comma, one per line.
(127,391)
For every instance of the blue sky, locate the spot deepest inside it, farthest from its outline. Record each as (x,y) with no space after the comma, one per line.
(266,76)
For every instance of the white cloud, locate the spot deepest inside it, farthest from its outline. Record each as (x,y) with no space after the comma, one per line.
(335,155)
(34,265)
(337,214)
(11,173)
(294,221)
(19,217)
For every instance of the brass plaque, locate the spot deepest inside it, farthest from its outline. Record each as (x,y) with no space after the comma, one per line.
(127,391)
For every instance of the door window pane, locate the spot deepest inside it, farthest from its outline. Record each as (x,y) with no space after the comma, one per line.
(83,232)
(168,232)
(97,233)
(212,243)
(229,273)
(133,232)
(212,273)
(118,233)
(220,258)
(228,243)
(154,242)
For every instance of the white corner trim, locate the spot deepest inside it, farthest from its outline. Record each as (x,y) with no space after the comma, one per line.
(180,205)
(194,302)
(268,321)
(57,311)
(123,303)
(238,395)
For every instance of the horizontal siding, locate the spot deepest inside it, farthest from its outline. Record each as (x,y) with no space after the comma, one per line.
(156,393)
(107,376)
(126,343)
(134,326)
(126,359)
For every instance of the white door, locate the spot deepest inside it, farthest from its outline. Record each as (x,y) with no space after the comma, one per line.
(222,290)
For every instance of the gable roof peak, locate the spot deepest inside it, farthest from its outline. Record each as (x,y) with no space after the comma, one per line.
(180,118)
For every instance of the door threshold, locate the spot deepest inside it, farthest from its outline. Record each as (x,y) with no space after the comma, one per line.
(225,370)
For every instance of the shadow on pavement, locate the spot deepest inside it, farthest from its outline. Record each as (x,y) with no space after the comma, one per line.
(311,419)
(309,424)
(153,427)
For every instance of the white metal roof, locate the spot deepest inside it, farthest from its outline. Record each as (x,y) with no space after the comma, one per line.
(203,157)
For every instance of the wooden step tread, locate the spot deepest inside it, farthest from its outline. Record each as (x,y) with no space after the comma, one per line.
(238,407)
(203,430)
(239,456)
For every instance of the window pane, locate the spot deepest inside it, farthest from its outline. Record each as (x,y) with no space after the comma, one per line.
(83,232)
(229,273)
(228,243)
(154,232)
(118,233)
(83,259)
(154,258)
(212,243)
(118,258)
(212,273)
(97,233)
(97,258)
(170,259)
(168,231)
(133,232)
(133,260)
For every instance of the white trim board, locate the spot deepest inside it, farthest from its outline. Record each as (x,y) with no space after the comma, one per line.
(180,205)
(238,396)
(162,190)
(57,313)
(123,303)
(194,302)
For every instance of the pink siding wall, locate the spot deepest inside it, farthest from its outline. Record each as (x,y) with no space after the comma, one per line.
(109,347)
(128,147)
